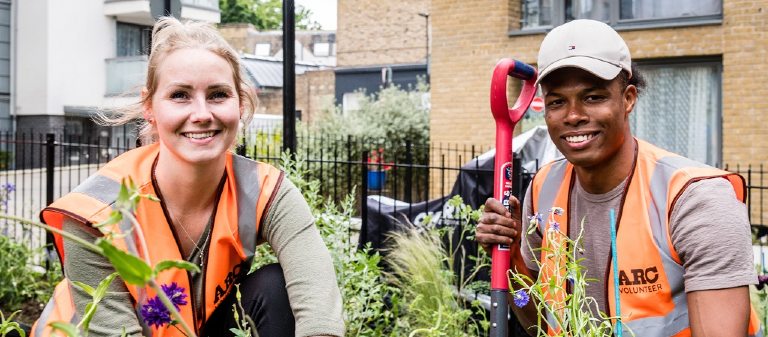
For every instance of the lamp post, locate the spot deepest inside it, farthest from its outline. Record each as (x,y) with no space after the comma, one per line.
(289,77)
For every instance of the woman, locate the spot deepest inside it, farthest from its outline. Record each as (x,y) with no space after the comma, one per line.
(214,206)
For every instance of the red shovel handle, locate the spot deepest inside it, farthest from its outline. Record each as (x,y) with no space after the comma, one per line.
(502,177)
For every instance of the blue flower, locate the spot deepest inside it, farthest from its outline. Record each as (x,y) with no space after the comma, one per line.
(155,313)
(536,219)
(176,294)
(521,298)
(555,225)
(9,187)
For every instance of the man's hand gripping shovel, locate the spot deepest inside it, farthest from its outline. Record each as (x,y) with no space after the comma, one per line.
(502,178)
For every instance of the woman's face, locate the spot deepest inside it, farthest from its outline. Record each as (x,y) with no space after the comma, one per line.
(195,106)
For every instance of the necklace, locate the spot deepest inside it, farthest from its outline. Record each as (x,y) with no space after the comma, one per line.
(202,252)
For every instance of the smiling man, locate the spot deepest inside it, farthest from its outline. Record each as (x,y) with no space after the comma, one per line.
(684,256)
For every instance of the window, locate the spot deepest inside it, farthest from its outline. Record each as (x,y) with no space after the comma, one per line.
(623,14)
(263,49)
(681,109)
(351,101)
(321,49)
(661,9)
(133,40)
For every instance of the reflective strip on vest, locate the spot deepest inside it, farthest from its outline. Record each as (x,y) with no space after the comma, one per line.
(99,187)
(677,319)
(550,187)
(43,320)
(247,196)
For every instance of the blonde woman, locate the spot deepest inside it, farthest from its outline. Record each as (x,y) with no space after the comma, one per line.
(214,208)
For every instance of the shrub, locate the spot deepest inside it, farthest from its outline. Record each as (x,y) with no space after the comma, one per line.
(22,281)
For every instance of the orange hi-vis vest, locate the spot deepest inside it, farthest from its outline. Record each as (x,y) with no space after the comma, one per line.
(246,195)
(651,289)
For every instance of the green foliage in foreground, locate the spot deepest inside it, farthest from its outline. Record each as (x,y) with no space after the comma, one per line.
(21,281)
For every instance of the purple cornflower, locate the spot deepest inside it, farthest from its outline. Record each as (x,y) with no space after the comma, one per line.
(536,219)
(176,294)
(556,210)
(521,298)
(155,313)
(555,225)
(9,187)
(761,282)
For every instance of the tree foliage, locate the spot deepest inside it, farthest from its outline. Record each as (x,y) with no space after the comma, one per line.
(264,14)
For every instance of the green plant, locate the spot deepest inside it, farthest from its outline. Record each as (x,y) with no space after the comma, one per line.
(22,281)
(386,121)
(365,296)
(6,325)
(573,313)
(421,268)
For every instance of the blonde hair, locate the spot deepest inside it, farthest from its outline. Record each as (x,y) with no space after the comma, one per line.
(168,35)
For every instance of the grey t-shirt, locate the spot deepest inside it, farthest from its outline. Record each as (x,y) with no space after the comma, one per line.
(709,228)
(290,230)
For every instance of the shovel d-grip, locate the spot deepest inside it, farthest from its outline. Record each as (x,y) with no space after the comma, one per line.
(506,119)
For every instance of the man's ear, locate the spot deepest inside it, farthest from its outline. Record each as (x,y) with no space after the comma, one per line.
(146,108)
(630,98)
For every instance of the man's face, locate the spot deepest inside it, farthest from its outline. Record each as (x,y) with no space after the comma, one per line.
(587,117)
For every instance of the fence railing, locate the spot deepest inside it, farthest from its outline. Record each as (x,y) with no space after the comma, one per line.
(44,167)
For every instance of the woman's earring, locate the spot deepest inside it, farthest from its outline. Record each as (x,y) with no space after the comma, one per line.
(150,120)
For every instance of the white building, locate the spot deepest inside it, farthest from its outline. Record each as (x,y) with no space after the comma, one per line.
(71,57)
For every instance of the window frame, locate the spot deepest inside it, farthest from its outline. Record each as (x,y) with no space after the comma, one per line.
(145,37)
(558,18)
(716,62)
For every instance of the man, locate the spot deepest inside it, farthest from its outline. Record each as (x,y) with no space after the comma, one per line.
(683,239)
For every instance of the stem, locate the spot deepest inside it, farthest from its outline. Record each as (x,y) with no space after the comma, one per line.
(248,318)
(140,233)
(168,304)
(64,234)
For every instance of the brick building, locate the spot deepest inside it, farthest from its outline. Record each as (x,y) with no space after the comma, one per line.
(704,61)
(380,42)
(315,57)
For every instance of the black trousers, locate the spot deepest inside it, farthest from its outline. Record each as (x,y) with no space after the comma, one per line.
(264,299)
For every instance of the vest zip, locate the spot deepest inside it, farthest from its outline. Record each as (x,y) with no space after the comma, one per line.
(618,221)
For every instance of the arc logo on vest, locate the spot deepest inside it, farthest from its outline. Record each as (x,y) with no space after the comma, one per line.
(221,293)
(636,281)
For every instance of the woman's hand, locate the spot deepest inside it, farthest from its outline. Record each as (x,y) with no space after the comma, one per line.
(498,225)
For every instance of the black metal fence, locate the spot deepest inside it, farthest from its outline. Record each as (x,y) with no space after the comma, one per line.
(36,169)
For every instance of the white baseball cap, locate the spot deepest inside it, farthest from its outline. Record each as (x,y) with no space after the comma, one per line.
(587,44)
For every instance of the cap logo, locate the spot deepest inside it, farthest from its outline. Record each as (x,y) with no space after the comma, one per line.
(571,47)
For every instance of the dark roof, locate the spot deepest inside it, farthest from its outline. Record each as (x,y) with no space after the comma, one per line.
(268,72)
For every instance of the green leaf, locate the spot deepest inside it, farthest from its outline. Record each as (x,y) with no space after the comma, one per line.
(168,264)
(90,310)
(67,328)
(85,287)
(114,218)
(132,269)
(237,332)
(123,201)
(102,288)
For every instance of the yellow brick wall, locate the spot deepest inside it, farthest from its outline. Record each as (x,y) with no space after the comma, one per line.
(470,37)
(371,32)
